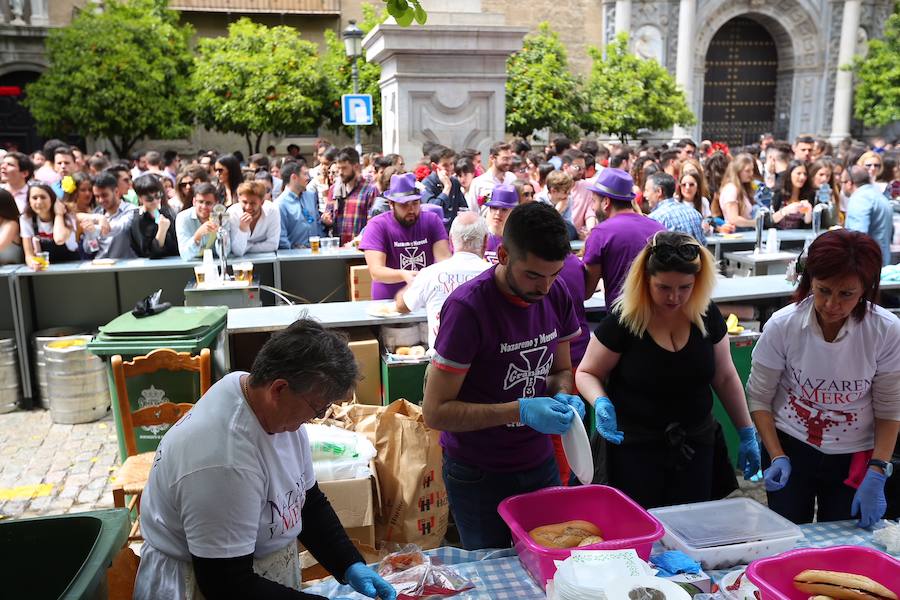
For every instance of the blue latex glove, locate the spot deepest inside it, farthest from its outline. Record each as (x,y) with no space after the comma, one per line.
(368,583)
(777,475)
(546,415)
(574,401)
(674,562)
(748,452)
(605,420)
(869,502)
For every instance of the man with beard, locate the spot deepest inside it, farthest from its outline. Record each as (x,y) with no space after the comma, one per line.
(500,380)
(399,243)
(350,198)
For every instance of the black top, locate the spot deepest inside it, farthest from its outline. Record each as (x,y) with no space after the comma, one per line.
(143,235)
(652,387)
(433,193)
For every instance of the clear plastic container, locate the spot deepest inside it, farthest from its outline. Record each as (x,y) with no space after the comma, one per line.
(775,576)
(623,523)
(723,533)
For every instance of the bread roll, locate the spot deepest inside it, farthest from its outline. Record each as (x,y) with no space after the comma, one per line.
(841,586)
(417,351)
(591,539)
(569,534)
(402,350)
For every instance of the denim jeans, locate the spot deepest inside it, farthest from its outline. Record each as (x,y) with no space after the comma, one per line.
(816,486)
(474,495)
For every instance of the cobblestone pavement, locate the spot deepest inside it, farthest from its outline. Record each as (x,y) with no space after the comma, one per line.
(49,469)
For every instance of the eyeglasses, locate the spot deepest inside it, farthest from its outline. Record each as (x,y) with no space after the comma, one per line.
(320,413)
(187,183)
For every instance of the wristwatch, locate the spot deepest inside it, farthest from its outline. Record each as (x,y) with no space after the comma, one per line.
(886,466)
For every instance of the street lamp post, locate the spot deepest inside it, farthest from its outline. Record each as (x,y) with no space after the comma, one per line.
(353,36)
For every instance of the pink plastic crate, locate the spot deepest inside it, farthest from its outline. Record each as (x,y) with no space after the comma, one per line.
(775,576)
(622,523)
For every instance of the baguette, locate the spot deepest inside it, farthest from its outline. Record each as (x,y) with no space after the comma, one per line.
(841,586)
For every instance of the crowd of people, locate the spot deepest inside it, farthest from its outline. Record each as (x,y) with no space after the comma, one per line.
(486,248)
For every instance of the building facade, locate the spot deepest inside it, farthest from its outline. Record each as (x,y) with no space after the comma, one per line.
(747,66)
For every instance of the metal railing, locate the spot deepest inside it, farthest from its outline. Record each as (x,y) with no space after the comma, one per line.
(260,6)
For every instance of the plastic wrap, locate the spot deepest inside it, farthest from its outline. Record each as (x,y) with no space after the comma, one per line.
(416,577)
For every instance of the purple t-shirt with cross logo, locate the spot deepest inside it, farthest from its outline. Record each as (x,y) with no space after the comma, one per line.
(407,248)
(506,352)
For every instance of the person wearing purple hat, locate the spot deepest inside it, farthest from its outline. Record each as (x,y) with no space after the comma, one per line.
(612,245)
(503,199)
(403,241)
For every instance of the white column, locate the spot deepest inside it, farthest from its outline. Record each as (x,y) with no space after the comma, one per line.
(623,16)
(684,64)
(843,84)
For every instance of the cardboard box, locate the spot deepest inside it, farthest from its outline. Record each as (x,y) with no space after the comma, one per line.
(354,502)
(360,283)
(368,390)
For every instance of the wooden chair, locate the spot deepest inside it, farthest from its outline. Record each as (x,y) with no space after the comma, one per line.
(132,475)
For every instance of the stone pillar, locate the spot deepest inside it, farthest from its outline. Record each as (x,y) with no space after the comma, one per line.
(684,64)
(623,16)
(843,83)
(445,81)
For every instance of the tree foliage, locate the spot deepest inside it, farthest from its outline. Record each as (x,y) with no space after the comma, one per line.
(541,92)
(338,69)
(406,11)
(119,74)
(258,80)
(627,94)
(877,100)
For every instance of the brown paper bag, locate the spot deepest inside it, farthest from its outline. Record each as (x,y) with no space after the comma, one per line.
(414,506)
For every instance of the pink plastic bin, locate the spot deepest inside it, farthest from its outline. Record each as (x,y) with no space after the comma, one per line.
(622,522)
(775,576)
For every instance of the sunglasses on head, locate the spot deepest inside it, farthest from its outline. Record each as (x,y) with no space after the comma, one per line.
(667,253)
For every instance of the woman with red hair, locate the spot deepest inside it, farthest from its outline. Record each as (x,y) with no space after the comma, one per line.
(824,388)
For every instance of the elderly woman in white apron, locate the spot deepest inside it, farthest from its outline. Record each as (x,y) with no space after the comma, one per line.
(232,488)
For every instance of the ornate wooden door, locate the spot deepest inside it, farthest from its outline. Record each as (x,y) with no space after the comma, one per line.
(739,87)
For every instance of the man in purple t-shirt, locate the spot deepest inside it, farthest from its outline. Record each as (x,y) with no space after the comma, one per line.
(501,375)
(400,243)
(612,245)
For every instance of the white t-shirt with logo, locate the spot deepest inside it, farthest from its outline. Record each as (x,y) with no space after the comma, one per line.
(221,486)
(434,283)
(824,397)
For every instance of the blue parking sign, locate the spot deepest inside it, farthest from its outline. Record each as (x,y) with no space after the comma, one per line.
(356,109)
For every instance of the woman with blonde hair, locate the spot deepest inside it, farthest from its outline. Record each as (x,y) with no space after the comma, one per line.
(873,164)
(665,324)
(735,201)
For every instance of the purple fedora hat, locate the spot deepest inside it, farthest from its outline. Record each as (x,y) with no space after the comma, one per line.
(403,188)
(503,196)
(614,183)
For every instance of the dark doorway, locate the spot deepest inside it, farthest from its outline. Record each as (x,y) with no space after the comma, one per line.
(739,87)
(17,128)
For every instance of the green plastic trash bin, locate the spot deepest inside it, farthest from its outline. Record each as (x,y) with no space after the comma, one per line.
(741,353)
(63,556)
(180,328)
(403,379)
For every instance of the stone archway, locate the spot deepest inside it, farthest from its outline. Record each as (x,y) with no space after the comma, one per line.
(801,57)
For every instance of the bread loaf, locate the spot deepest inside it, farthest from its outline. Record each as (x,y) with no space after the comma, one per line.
(569,534)
(841,586)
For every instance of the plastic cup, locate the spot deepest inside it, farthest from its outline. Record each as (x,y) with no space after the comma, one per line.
(200,273)
(43,260)
(314,243)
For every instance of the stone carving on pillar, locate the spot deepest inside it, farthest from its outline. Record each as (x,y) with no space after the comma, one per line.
(17,10)
(804,102)
(609,22)
(469,124)
(648,43)
(831,64)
